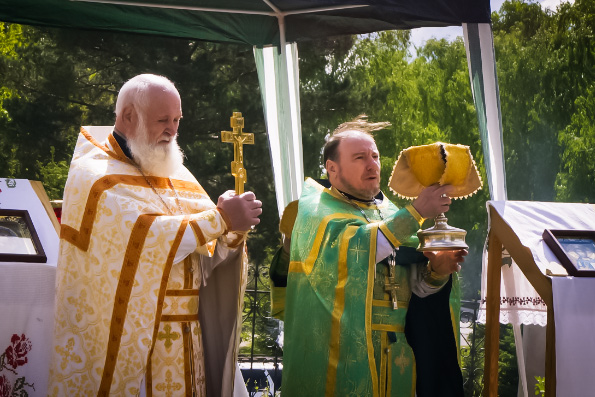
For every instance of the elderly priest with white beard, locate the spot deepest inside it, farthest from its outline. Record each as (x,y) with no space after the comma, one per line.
(151,272)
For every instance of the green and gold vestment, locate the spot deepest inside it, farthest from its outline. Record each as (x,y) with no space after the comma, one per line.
(342,336)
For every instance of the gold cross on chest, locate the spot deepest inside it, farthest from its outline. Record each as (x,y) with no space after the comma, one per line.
(392,286)
(239,139)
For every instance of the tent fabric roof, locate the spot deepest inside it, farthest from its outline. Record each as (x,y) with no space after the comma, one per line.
(253,22)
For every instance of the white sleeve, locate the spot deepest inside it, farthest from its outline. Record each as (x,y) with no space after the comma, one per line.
(383,247)
(187,245)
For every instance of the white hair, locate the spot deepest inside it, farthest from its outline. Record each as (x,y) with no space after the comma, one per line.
(151,158)
(134,91)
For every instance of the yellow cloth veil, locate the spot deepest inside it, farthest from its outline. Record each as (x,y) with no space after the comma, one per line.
(447,164)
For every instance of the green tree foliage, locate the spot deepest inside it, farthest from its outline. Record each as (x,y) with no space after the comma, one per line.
(472,362)
(326,94)
(574,38)
(54,174)
(546,65)
(528,91)
(577,179)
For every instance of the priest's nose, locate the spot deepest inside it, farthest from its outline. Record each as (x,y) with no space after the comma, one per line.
(172,129)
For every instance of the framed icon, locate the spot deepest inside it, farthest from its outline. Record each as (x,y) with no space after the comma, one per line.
(574,248)
(19,241)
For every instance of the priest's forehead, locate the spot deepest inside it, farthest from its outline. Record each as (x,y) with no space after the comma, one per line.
(138,90)
(332,147)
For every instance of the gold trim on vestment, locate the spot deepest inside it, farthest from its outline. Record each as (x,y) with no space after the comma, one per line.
(226,220)
(177,318)
(389,371)
(388,327)
(200,237)
(189,375)
(296,267)
(338,308)
(163,286)
(308,265)
(454,330)
(117,152)
(149,379)
(381,303)
(91,139)
(389,234)
(188,278)
(384,353)
(122,296)
(181,292)
(188,359)
(414,377)
(80,238)
(420,219)
(369,300)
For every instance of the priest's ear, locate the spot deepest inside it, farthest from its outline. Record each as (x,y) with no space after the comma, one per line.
(129,119)
(331,168)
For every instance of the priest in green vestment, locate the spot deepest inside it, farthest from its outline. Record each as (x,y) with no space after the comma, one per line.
(350,278)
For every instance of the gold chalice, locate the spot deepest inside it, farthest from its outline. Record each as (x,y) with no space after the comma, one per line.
(447,164)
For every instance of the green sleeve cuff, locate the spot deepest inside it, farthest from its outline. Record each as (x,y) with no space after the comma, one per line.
(420,219)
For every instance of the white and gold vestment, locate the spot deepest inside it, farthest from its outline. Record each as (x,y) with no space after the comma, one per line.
(130,290)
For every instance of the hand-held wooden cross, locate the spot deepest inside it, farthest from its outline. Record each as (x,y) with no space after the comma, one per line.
(239,139)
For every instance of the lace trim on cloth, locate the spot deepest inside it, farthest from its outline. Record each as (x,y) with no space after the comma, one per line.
(521,301)
(516,316)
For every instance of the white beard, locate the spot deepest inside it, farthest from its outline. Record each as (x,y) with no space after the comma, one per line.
(162,161)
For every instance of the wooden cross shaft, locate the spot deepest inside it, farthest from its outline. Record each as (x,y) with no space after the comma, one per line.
(239,139)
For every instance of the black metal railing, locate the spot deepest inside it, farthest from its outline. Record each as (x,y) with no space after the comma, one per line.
(260,351)
(472,348)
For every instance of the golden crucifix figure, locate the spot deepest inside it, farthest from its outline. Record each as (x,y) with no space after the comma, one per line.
(239,139)
(392,286)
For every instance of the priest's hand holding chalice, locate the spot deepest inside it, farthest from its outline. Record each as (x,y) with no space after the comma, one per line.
(432,175)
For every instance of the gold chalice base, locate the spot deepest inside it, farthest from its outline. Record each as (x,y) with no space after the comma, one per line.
(441,237)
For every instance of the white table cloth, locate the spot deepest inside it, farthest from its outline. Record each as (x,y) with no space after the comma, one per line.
(573,297)
(520,303)
(27,299)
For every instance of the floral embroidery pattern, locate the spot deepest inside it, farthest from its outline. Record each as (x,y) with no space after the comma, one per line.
(13,357)
(520,301)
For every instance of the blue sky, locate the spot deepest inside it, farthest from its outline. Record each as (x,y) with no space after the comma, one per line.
(419,36)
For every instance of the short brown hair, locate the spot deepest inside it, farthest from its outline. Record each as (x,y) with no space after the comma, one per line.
(360,124)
